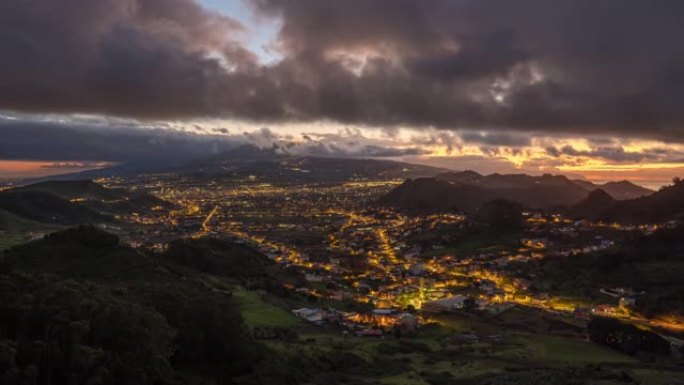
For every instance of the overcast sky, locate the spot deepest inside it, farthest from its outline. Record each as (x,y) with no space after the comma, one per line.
(588,87)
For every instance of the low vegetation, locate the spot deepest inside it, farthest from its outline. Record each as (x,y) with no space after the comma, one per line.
(80,307)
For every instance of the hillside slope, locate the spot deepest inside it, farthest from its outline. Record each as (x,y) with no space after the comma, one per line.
(107,313)
(47,208)
(97,197)
(275,166)
(592,206)
(662,206)
(467,192)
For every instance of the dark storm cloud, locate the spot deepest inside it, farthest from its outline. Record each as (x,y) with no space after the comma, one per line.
(143,58)
(356,151)
(569,65)
(613,154)
(496,139)
(554,67)
(114,142)
(77,145)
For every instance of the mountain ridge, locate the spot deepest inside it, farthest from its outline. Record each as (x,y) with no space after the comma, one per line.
(467,190)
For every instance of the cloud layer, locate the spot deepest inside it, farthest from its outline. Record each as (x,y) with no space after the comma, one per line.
(550,67)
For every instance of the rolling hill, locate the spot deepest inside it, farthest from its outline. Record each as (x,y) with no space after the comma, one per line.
(425,195)
(591,207)
(47,208)
(97,197)
(11,223)
(620,190)
(48,204)
(273,166)
(467,191)
(82,252)
(664,205)
(74,189)
(139,317)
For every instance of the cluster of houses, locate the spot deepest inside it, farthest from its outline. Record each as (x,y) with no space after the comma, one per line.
(374,324)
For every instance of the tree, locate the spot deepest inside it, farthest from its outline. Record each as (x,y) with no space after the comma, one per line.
(501,214)
(469,304)
(626,337)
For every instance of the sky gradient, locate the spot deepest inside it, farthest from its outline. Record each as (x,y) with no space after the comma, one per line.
(585,88)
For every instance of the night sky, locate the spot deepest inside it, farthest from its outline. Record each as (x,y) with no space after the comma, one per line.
(582,87)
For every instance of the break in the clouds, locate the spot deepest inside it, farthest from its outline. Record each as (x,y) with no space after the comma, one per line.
(550,67)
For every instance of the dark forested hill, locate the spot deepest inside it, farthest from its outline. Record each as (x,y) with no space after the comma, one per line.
(97,197)
(84,189)
(662,206)
(623,190)
(649,264)
(47,208)
(591,207)
(467,192)
(620,190)
(433,195)
(105,313)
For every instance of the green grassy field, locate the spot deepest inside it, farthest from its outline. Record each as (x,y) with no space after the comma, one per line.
(568,350)
(658,377)
(428,358)
(14,224)
(9,240)
(256,312)
(15,230)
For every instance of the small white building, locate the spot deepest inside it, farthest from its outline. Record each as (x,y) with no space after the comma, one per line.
(446,304)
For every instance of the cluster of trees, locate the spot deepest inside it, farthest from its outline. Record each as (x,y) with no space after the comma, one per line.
(56,331)
(625,337)
(235,262)
(653,264)
(501,214)
(80,308)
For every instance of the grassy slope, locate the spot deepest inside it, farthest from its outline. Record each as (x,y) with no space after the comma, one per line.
(15,230)
(14,224)
(9,240)
(256,312)
(520,350)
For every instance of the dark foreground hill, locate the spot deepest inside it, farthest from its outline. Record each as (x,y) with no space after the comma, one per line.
(79,307)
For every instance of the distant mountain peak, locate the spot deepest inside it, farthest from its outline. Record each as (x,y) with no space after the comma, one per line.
(624,189)
(468,190)
(599,193)
(590,207)
(468,173)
